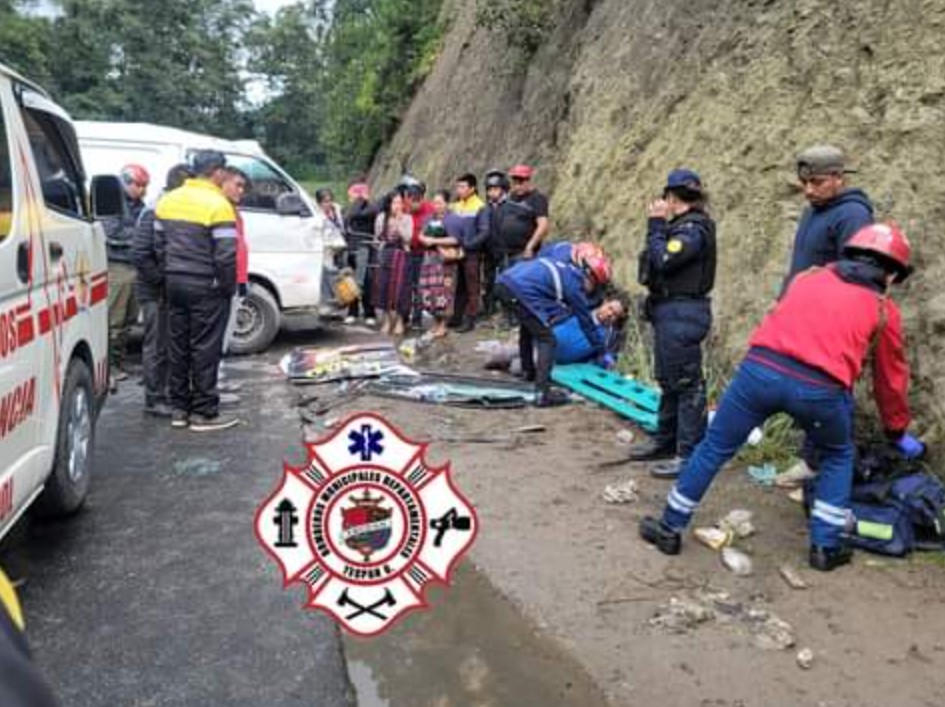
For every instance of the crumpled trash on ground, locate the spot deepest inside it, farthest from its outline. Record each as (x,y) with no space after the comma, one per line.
(626,491)
(795,476)
(682,614)
(792,577)
(764,475)
(714,538)
(738,521)
(805,658)
(770,632)
(625,436)
(737,561)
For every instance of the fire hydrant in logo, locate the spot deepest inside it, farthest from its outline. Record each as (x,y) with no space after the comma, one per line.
(366,524)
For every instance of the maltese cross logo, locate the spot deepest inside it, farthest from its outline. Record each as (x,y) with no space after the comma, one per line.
(366,525)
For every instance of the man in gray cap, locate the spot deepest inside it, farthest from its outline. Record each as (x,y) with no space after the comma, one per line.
(835,213)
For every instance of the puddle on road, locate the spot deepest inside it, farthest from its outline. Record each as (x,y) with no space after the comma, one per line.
(471,648)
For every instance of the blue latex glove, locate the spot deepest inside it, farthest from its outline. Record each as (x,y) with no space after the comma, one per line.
(608,361)
(911,447)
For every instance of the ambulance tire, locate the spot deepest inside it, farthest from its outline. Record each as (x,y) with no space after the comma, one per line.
(68,484)
(258,321)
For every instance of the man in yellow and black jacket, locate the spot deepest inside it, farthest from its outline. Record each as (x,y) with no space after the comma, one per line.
(195,242)
(21,684)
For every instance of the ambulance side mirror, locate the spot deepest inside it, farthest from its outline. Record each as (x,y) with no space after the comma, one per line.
(291,204)
(108,199)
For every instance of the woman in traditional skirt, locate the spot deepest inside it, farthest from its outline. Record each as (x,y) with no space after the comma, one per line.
(393,229)
(438,273)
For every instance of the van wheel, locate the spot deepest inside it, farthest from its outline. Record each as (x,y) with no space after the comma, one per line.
(257,321)
(68,484)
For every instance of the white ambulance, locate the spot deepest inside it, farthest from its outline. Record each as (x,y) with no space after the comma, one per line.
(53,305)
(291,244)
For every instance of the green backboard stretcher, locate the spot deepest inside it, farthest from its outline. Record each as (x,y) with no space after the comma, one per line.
(625,396)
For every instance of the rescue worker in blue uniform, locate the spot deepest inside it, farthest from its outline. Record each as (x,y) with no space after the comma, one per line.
(543,292)
(677,266)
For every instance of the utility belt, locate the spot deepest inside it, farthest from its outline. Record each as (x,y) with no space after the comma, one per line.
(652,301)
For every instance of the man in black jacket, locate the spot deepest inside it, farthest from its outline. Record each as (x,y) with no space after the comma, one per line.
(119,233)
(195,239)
(362,255)
(149,291)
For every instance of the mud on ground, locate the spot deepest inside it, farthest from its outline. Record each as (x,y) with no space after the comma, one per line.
(575,567)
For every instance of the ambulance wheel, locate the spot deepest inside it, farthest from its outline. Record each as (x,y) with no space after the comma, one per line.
(257,321)
(68,484)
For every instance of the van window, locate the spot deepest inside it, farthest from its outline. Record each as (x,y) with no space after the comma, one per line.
(59,175)
(266,183)
(6,184)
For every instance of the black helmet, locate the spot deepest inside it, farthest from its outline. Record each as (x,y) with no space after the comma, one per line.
(497,178)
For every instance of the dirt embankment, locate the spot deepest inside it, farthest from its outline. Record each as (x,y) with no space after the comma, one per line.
(620,92)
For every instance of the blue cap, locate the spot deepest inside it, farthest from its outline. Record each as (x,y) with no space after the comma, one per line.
(684,178)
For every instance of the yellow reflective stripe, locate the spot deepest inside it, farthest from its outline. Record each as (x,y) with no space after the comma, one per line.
(10,602)
(195,203)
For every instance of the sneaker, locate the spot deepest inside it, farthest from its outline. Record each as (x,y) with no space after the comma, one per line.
(655,532)
(229,399)
(349,320)
(203,423)
(651,451)
(827,559)
(229,387)
(370,322)
(119,375)
(667,469)
(552,398)
(158,410)
(179,419)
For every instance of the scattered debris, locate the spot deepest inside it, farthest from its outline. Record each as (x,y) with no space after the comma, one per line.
(626,491)
(330,422)
(763,475)
(737,561)
(793,578)
(625,436)
(714,538)
(805,658)
(197,466)
(795,476)
(451,389)
(738,521)
(797,495)
(328,364)
(682,615)
(771,633)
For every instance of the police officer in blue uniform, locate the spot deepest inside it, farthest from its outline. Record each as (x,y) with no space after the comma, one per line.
(677,267)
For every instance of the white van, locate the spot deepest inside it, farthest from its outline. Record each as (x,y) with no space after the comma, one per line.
(53,305)
(291,244)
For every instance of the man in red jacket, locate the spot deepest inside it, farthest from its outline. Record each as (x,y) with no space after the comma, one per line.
(803,360)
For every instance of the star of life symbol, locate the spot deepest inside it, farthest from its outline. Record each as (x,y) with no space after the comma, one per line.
(366,525)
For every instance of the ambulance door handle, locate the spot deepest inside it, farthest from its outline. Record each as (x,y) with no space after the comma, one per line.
(55,251)
(23,262)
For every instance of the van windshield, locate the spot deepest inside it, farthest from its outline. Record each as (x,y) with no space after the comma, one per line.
(266,184)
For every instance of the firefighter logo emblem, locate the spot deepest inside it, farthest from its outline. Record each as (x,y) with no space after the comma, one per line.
(365,524)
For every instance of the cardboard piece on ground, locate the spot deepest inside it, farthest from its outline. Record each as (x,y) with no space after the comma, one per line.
(625,396)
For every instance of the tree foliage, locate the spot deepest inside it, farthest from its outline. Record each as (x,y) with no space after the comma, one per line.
(322,84)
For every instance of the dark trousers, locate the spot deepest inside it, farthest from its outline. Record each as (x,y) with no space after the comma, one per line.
(497,263)
(533,337)
(679,328)
(414,265)
(197,315)
(154,350)
(822,410)
(468,286)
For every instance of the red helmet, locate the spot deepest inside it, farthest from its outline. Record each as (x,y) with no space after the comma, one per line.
(886,241)
(599,268)
(580,252)
(521,171)
(135,174)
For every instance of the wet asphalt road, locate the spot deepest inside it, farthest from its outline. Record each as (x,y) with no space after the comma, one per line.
(157,594)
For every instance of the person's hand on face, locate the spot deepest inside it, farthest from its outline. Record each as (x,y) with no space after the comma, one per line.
(658,208)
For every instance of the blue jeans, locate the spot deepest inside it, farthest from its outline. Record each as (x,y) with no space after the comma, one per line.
(822,410)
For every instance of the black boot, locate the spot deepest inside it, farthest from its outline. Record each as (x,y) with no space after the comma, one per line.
(469,323)
(655,532)
(651,450)
(827,559)
(552,397)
